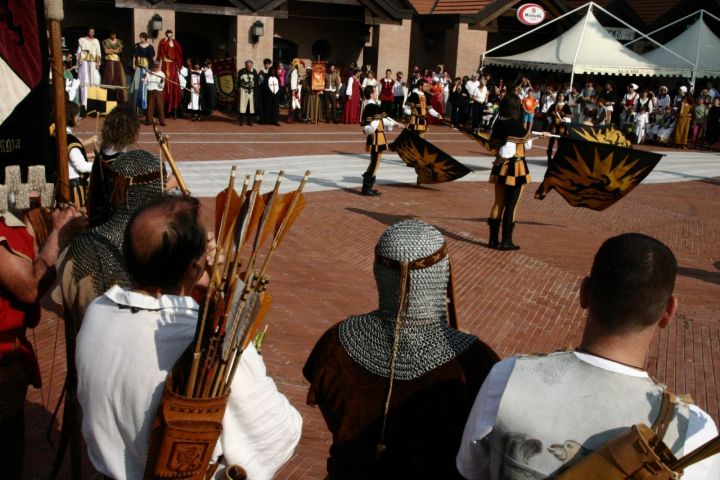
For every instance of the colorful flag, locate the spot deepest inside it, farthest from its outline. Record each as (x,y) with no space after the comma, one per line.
(483,138)
(24,133)
(595,175)
(101,101)
(607,134)
(431,164)
(226,73)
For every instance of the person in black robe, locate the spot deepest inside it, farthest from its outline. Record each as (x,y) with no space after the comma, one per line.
(270,92)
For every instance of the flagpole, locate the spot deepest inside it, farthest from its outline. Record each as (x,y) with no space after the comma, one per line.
(577,50)
(697,54)
(54,13)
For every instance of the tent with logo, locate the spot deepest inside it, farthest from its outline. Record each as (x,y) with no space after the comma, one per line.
(588,48)
(697,43)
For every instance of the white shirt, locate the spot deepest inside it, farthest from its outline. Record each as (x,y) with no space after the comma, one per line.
(398,90)
(474,462)
(388,123)
(77,161)
(154,80)
(209,78)
(122,361)
(183,76)
(348,90)
(430,109)
(471,86)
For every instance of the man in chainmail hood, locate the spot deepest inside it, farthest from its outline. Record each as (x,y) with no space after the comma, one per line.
(94,260)
(396,385)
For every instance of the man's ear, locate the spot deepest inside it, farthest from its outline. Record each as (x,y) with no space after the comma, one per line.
(670,309)
(585,293)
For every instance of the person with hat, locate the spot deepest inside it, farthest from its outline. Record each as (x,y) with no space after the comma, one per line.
(684,118)
(610,98)
(394,385)
(663,99)
(536,414)
(24,277)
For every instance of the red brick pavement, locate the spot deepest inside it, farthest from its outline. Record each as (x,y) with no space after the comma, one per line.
(523,301)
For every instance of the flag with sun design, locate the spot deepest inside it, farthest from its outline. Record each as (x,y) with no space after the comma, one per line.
(595,175)
(483,138)
(600,134)
(431,164)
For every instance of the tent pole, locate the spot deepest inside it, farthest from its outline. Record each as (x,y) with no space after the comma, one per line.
(642,35)
(577,50)
(538,28)
(697,55)
(665,26)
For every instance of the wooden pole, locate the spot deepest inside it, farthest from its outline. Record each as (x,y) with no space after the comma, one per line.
(63,191)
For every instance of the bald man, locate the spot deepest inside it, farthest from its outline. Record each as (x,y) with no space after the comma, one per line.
(130,340)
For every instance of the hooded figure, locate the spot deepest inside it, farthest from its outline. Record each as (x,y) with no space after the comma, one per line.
(395,385)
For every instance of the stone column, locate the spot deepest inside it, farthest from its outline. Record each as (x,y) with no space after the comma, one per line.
(393,47)
(245,46)
(141,23)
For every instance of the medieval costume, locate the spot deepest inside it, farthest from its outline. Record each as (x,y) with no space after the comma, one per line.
(170,54)
(88,59)
(712,134)
(143,56)
(18,363)
(113,70)
(98,205)
(271,92)
(208,90)
(436,102)
(351,109)
(417,108)
(387,98)
(127,345)
(682,125)
(374,122)
(79,168)
(395,385)
(247,85)
(510,174)
(194,84)
(332,88)
(295,90)
(155,84)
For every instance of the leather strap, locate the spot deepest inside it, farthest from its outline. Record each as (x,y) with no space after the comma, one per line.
(418,264)
(667,410)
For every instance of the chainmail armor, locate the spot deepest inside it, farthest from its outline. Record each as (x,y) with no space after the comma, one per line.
(98,252)
(426,340)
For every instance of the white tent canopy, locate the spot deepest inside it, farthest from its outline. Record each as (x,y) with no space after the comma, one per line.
(587,48)
(698,44)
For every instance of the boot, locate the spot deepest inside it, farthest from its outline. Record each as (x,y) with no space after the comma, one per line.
(368,183)
(507,242)
(249,120)
(494,232)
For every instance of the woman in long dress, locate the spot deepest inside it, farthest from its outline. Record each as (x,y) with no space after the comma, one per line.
(684,117)
(351,109)
(143,55)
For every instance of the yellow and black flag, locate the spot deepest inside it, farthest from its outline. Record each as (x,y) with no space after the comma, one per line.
(431,164)
(595,175)
(483,138)
(607,134)
(102,99)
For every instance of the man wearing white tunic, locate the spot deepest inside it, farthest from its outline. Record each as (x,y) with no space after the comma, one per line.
(131,339)
(89,56)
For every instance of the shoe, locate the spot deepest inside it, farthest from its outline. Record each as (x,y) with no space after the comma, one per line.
(507,241)
(494,224)
(370,193)
(367,185)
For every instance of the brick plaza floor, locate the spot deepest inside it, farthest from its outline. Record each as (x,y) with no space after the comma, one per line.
(524,301)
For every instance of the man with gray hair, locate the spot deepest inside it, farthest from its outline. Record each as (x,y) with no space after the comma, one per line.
(395,385)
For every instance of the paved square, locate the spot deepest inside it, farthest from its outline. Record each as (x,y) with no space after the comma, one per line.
(524,301)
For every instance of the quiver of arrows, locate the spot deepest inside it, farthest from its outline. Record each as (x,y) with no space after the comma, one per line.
(249,228)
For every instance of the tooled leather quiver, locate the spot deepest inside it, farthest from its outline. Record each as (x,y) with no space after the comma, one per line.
(184,434)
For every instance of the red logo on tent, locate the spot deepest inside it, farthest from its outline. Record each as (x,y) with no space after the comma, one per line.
(530,14)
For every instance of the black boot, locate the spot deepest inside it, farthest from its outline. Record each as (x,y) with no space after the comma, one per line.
(368,183)
(249,120)
(494,232)
(507,241)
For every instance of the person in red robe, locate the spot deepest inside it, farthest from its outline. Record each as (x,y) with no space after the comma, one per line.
(351,109)
(171,56)
(436,101)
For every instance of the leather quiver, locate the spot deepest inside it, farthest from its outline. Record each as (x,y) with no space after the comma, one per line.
(184,434)
(636,454)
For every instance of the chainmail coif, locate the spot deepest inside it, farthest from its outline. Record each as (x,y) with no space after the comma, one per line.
(426,340)
(98,252)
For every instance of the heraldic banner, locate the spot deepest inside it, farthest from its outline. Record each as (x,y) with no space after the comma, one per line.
(593,174)
(226,77)
(431,164)
(101,100)
(24,133)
